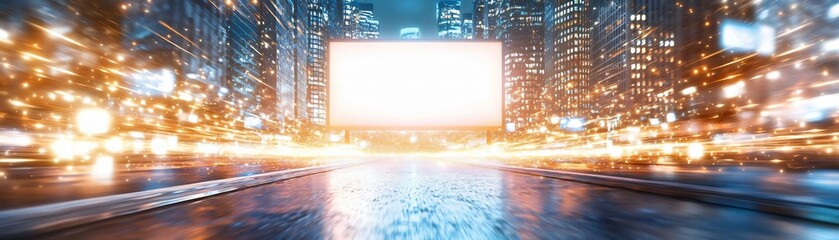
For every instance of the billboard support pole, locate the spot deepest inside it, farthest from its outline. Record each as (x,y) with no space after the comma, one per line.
(347,137)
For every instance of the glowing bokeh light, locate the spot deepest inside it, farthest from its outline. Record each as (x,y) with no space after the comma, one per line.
(696,151)
(93,121)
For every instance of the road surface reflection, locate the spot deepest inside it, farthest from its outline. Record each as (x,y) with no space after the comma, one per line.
(423,199)
(24,185)
(819,184)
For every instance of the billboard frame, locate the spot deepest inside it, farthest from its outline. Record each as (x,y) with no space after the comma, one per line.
(412,128)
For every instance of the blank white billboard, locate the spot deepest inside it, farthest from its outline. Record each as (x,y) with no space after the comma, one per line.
(414,85)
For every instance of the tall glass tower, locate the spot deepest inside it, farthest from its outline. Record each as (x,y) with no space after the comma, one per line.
(468,26)
(635,57)
(449,19)
(323,21)
(479,13)
(409,33)
(567,64)
(521,30)
(368,26)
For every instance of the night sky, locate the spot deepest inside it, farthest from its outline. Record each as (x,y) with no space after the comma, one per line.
(397,14)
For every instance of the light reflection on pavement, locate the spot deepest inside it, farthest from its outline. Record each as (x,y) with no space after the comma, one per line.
(818,184)
(423,199)
(25,186)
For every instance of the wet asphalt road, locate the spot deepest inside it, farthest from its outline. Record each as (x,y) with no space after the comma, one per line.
(426,199)
(820,184)
(27,186)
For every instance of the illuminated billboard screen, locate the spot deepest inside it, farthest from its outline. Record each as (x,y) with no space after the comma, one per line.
(414,85)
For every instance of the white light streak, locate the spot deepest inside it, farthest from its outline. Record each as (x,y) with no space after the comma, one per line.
(696,151)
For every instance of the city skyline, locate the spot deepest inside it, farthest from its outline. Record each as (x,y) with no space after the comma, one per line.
(395,15)
(564,60)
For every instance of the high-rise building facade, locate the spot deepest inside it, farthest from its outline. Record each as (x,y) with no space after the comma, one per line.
(567,63)
(266,62)
(468,26)
(449,23)
(316,61)
(359,20)
(267,58)
(266,96)
(368,26)
(521,30)
(635,61)
(479,13)
(233,63)
(332,19)
(243,73)
(707,67)
(292,49)
(409,33)
(491,18)
(350,19)
(182,51)
(321,15)
(485,18)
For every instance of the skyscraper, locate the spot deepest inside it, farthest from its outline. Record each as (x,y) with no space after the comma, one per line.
(468,26)
(449,19)
(323,23)
(292,49)
(266,96)
(491,18)
(331,19)
(479,13)
(144,24)
(409,33)
(359,20)
(567,64)
(368,26)
(243,72)
(349,23)
(707,67)
(634,59)
(266,59)
(485,18)
(521,30)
